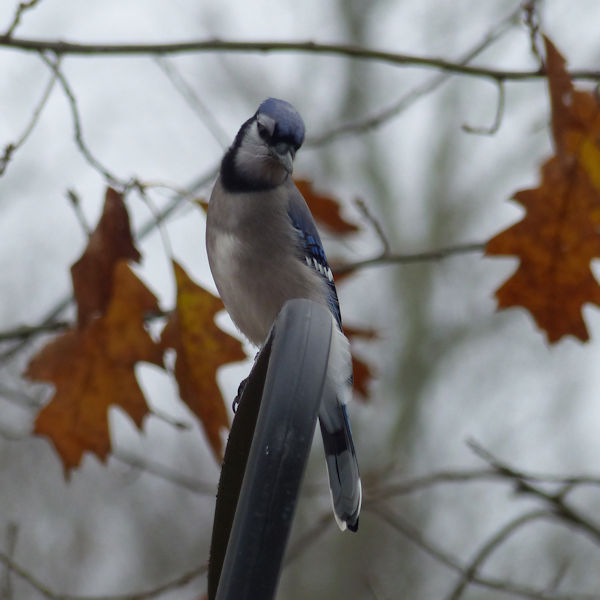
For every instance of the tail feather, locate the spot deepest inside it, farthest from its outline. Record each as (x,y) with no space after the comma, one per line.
(342,466)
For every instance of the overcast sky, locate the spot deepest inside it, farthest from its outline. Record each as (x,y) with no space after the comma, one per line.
(450,367)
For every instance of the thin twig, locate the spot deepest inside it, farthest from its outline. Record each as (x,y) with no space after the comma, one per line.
(364,209)
(532,22)
(393,258)
(169,420)
(78,133)
(50,594)
(561,508)
(12,532)
(493,128)
(179,199)
(408,99)
(491,545)
(559,576)
(21,9)
(304,542)
(11,148)
(22,573)
(164,472)
(449,561)
(23,332)
(416,484)
(61,48)
(159,225)
(193,100)
(75,202)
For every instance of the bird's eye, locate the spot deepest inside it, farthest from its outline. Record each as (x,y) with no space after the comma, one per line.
(263,131)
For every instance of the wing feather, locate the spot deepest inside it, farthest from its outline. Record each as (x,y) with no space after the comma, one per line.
(311,247)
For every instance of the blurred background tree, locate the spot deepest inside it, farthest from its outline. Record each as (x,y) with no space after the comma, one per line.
(404,139)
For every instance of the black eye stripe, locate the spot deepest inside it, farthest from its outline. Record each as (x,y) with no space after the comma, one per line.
(263,131)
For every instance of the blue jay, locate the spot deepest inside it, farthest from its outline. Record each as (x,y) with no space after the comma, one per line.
(264,249)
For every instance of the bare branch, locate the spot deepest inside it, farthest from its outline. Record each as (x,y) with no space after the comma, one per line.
(392,258)
(561,508)
(21,9)
(416,484)
(310,537)
(18,570)
(408,99)
(23,332)
(413,534)
(491,545)
(91,159)
(493,128)
(76,204)
(139,187)
(559,576)
(164,472)
(11,148)
(169,420)
(179,199)
(449,561)
(12,532)
(62,48)
(532,22)
(360,203)
(193,100)
(50,594)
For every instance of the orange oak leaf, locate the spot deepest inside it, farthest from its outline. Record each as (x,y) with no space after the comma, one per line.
(559,234)
(201,349)
(110,242)
(92,368)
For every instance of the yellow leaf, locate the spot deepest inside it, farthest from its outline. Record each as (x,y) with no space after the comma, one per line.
(201,349)
(559,235)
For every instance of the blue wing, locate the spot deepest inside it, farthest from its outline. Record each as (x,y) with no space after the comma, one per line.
(311,246)
(342,466)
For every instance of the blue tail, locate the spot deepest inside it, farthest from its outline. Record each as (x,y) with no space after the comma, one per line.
(344,478)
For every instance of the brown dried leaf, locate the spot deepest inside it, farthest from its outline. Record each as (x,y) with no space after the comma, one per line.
(109,243)
(92,368)
(201,349)
(558,236)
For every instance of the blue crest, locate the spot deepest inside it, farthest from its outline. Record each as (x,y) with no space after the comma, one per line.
(289,125)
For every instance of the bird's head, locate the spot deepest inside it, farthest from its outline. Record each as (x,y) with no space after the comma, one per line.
(262,154)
